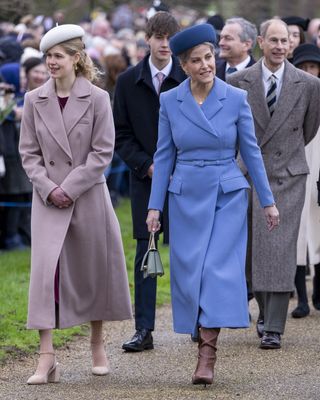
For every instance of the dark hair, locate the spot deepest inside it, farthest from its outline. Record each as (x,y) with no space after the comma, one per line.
(162,23)
(302,37)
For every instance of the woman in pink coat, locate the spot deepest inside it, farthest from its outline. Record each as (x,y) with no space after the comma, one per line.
(78,269)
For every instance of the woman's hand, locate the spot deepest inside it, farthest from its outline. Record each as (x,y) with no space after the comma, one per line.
(272,216)
(59,198)
(153,220)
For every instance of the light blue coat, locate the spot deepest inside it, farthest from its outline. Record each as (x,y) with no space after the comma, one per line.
(208,202)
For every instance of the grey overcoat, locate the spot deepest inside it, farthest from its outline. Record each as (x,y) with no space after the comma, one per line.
(72,150)
(282,137)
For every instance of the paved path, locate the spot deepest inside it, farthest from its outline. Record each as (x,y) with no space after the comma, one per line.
(242,372)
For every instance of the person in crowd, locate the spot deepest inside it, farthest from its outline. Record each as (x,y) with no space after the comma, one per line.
(296,26)
(317,39)
(136,113)
(15,185)
(307,57)
(202,123)
(36,72)
(117,176)
(237,40)
(217,21)
(284,103)
(77,262)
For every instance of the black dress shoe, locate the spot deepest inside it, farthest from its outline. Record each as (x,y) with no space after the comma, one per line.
(260,327)
(195,335)
(270,340)
(141,340)
(301,311)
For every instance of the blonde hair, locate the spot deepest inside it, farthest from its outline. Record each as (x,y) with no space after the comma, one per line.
(85,66)
(184,57)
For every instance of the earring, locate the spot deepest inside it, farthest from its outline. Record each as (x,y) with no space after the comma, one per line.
(76,67)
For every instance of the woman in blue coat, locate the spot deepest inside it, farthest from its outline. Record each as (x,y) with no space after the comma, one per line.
(203,122)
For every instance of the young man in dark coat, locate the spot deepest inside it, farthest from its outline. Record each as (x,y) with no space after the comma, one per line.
(136,112)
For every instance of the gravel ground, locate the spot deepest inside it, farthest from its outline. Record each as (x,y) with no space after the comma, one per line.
(243,371)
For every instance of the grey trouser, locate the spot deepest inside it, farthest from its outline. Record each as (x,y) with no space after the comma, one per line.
(273,308)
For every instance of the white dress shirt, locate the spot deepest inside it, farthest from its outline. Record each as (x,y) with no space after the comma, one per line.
(154,70)
(240,66)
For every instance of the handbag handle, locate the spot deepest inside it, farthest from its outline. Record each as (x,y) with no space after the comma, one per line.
(152,242)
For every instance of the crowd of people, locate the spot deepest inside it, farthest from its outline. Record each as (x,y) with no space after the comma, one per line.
(185,121)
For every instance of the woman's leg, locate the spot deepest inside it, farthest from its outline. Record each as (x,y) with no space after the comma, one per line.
(302,309)
(47,369)
(100,362)
(316,287)
(206,356)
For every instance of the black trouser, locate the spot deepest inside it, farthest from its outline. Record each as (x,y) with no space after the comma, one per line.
(144,291)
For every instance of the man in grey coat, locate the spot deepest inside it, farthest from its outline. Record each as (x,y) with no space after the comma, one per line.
(284,103)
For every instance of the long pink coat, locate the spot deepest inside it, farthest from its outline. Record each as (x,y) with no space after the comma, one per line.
(72,150)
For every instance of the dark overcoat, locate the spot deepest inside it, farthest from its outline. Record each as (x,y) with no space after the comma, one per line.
(136,113)
(282,138)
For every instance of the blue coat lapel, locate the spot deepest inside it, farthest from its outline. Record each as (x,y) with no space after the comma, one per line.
(194,113)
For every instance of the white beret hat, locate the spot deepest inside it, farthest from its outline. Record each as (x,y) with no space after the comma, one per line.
(60,34)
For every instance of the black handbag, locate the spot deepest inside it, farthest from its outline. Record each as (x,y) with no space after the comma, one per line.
(151,265)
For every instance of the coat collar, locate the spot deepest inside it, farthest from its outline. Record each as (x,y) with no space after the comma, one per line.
(60,124)
(213,104)
(290,93)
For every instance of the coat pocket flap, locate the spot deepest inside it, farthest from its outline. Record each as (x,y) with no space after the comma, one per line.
(236,183)
(175,186)
(299,169)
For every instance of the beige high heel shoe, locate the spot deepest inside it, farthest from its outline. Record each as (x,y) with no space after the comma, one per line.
(52,376)
(102,369)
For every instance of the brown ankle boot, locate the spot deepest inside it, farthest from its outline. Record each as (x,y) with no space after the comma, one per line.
(206,357)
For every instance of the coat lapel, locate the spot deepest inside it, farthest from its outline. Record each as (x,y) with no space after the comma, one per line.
(193,112)
(49,111)
(77,103)
(291,91)
(252,82)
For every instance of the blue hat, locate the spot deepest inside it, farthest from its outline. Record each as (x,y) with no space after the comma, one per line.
(192,37)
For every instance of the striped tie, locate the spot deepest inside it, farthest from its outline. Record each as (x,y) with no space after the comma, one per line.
(271,95)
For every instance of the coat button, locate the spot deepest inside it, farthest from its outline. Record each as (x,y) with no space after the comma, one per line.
(51,162)
(280,182)
(69,163)
(278,153)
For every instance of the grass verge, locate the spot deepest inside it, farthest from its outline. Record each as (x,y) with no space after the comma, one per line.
(15,339)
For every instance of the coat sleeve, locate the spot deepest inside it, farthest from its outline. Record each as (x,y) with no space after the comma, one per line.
(251,154)
(164,160)
(312,117)
(31,153)
(127,145)
(91,172)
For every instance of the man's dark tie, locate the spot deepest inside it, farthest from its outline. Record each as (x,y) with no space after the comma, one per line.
(271,94)
(231,70)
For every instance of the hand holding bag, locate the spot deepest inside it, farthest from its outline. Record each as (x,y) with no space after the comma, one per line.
(151,264)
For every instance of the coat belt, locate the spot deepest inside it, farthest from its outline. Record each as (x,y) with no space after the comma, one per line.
(204,163)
